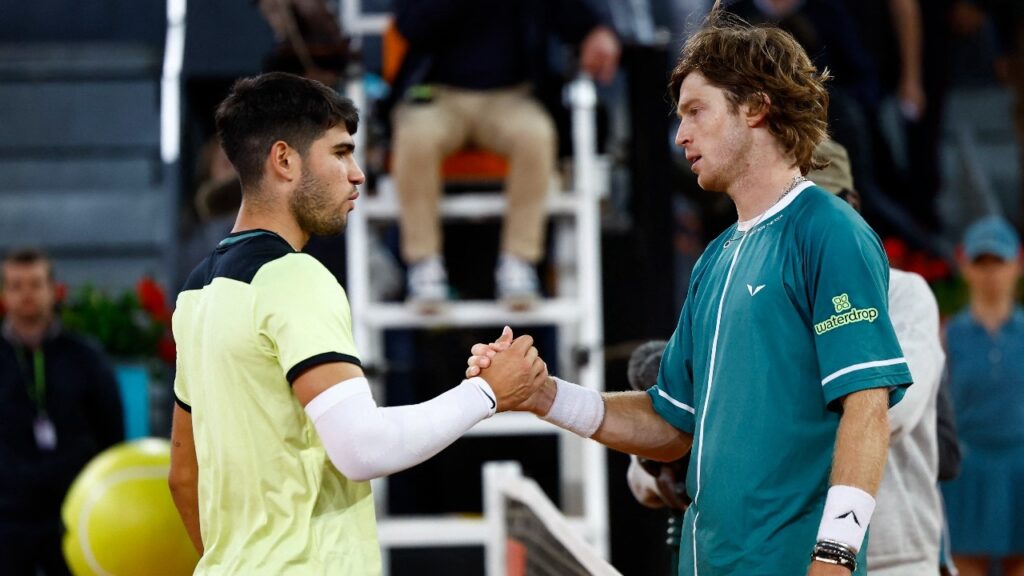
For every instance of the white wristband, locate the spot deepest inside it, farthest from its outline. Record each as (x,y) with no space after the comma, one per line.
(486,392)
(846,517)
(577,409)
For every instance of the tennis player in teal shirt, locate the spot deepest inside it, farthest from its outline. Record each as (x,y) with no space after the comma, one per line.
(783,320)
(784,362)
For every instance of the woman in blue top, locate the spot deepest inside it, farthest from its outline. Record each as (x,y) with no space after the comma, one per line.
(985,505)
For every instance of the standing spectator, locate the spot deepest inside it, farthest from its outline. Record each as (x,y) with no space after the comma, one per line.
(59,407)
(907,42)
(928,67)
(467,79)
(986,359)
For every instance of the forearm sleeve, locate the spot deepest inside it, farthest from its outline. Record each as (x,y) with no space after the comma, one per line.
(365,441)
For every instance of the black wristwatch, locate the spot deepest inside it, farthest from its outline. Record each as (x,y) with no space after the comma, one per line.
(832,552)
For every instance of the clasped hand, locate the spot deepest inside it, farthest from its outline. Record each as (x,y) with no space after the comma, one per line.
(512,368)
(496,362)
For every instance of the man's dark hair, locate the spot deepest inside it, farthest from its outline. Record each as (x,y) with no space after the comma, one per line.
(277,106)
(29,256)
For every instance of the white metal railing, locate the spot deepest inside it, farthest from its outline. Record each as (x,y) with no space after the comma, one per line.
(170,127)
(170,83)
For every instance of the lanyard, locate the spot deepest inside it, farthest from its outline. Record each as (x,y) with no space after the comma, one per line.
(37,393)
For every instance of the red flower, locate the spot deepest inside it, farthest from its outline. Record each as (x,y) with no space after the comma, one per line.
(896,250)
(918,263)
(166,349)
(937,270)
(153,300)
(60,292)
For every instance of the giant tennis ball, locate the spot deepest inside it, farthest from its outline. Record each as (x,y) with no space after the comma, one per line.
(120,518)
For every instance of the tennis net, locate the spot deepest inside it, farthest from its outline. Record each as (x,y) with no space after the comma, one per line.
(533,538)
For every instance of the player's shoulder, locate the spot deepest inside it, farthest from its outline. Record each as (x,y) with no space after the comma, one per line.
(240,257)
(821,214)
(199,276)
(297,275)
(819,209)
(294,267)
(255,255)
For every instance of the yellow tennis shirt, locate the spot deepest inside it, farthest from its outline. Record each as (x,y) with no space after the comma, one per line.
(251,318)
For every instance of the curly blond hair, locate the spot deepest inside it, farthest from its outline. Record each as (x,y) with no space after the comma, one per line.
(761,66)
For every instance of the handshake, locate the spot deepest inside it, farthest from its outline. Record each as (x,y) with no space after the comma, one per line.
(515,372)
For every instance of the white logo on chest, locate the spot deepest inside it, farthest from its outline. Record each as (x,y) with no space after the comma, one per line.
(754,290)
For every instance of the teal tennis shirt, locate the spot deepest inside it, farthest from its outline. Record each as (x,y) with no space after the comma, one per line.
(784,317)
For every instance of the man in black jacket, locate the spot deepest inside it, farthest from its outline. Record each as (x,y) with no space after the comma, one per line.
(59,407)
(467,79)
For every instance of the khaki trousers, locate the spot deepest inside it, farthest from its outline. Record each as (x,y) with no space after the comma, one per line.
(506,121)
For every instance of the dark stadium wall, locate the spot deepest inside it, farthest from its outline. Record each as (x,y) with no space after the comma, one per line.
(224,37)
(66,21)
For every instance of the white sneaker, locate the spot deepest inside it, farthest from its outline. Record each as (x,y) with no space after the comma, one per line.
(427,284)
(516,282)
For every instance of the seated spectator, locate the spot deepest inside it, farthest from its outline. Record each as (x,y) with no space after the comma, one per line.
(310,40)
(985,345)
(466,79)
(59,407)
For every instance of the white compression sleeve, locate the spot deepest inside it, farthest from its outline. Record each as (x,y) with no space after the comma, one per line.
(365,441)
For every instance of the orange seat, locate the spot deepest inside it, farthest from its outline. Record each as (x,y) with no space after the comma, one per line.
(473,164)
(467,165)
(393,49)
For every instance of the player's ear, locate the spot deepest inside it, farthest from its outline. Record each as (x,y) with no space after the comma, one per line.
(282,162)
(756,109)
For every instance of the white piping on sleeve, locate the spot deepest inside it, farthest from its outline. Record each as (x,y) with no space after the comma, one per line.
(862,366)
(675,402)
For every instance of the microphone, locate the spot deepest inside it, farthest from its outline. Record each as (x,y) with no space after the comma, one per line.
(642,374)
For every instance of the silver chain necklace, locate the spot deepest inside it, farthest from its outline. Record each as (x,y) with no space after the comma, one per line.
(797,180)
